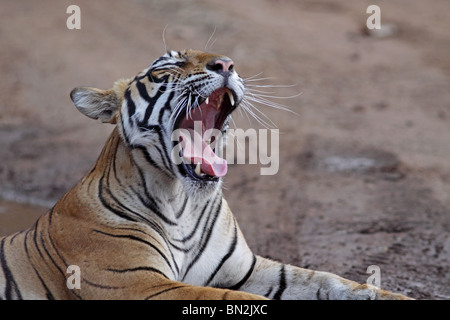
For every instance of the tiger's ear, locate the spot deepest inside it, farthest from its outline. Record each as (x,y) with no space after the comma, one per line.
(96,103)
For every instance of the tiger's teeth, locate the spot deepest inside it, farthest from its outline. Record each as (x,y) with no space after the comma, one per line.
(207,100)
(197,169)
(230,95)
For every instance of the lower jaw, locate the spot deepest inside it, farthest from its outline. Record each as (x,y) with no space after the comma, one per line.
(189,173)
(200,188)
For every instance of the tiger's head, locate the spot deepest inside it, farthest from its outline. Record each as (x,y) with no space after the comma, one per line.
(175,113)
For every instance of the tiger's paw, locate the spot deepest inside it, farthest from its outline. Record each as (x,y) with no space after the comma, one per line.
(370,292)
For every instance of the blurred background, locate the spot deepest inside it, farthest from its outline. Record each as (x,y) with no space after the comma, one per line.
(364,175)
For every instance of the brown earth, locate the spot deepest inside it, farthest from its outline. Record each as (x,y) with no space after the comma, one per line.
(364,175)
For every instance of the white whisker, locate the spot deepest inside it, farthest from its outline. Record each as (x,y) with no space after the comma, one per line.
(265,95)
(249,107)
(180,105)
(258,91)
(234,123)
(199,94)
(271,85)
(188,103)
(178,109)
(171,90)
(210,38)
(258,79)
(197,98)
(233,136)
(176,70)
(181,95)
(269,103)
(252,77)
(164,37)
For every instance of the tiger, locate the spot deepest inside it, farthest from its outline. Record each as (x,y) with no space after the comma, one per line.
(140,225)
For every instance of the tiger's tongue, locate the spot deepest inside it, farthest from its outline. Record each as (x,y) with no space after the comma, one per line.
(196,150)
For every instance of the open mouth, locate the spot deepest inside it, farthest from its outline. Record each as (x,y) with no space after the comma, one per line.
(201,129)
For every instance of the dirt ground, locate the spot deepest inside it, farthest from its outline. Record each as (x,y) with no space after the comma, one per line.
(364,176)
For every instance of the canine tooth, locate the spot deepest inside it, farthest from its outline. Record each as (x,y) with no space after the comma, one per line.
(197,169)
(207,100)
(230,95)
(208,141)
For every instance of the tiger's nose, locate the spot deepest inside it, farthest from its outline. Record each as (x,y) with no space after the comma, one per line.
(222,66)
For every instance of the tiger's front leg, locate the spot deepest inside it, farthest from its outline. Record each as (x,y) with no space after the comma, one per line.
(280,281)
(150,285)
(174,290)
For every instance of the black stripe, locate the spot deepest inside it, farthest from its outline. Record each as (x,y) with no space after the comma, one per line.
(248,274)
(160,133)
(134,238)
(152,206)
(268,292)
(50,256)
(168,65)
(167,106)
(225,258)
(50,215)
(152,101)
(191,234)
(147,156)
(181,169)
(114,165)
(13,237)
(154,79)
(52,243)
(124,207)
(162,155)
(155,226)
(164,291)
(282,283)
(182,249)
(48,293)
(156,128)
(206,238)
(144,184)
(106,204)
(148,112)
(143,268)
(143,91)
(197,79)
(35,233)
(162,58)
(127,140)
(180,212)
(96,285)
(130,229)
(130,104)
(11,285)
(318,294)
